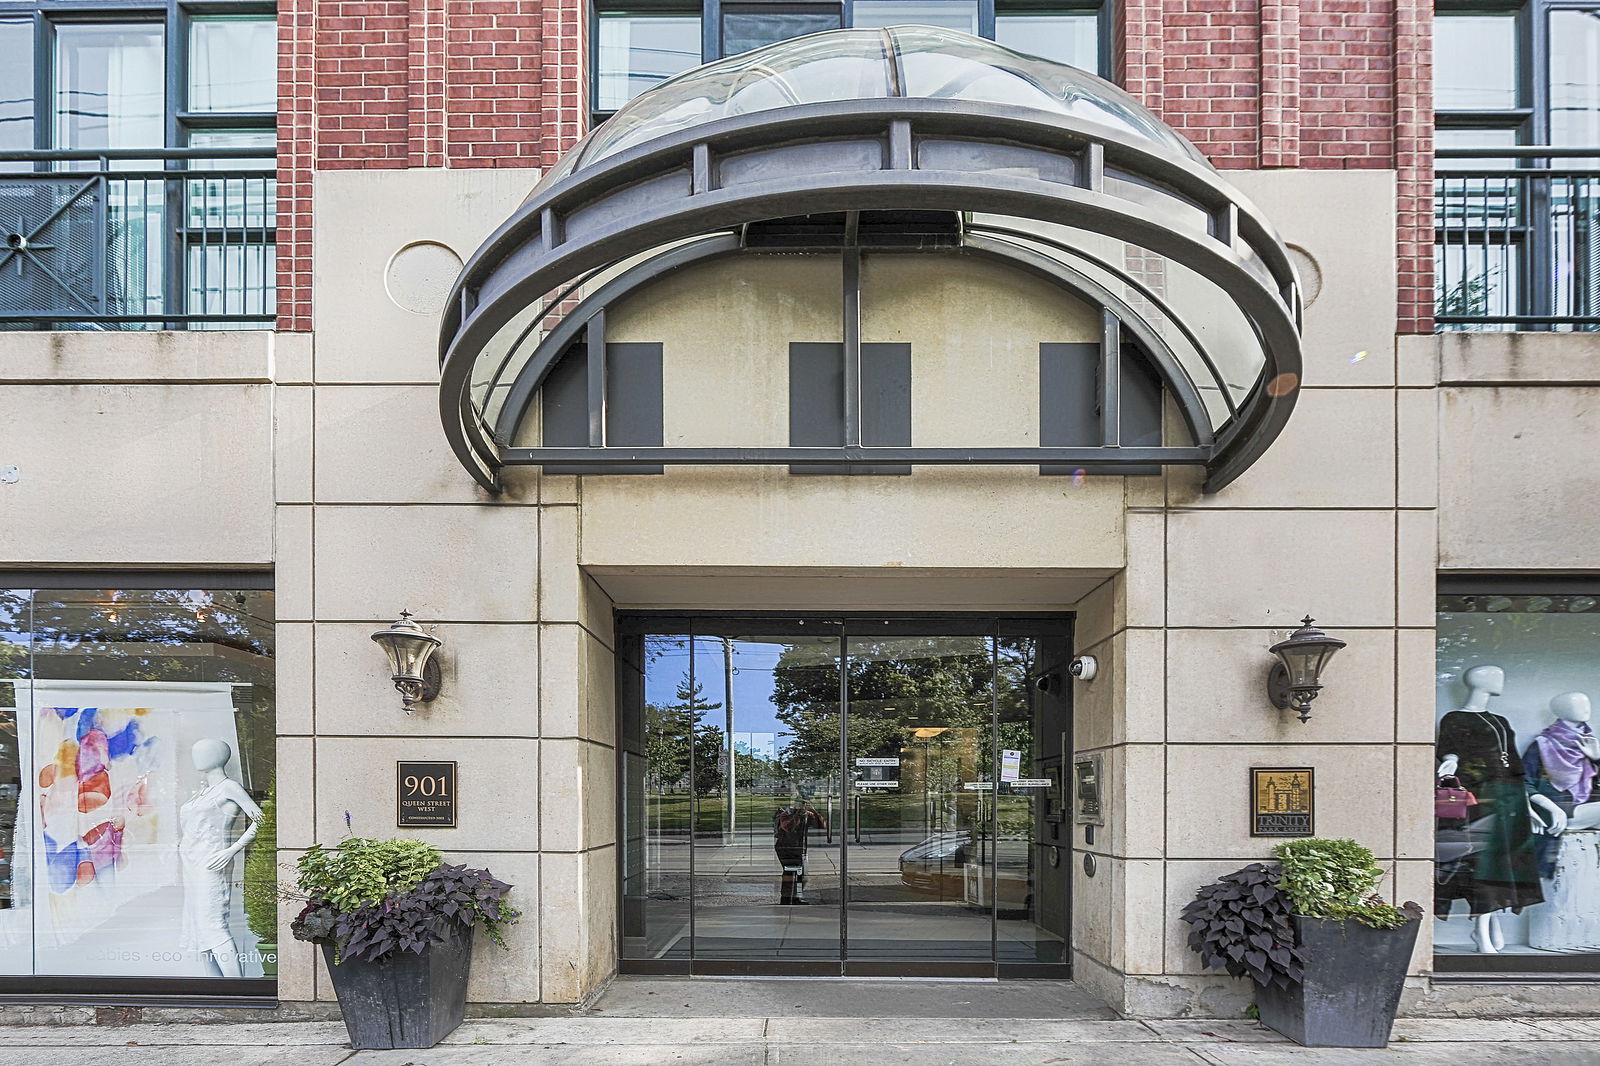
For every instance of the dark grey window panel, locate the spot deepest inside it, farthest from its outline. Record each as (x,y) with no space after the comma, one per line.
(1069,403)
(816,402)
(634,404)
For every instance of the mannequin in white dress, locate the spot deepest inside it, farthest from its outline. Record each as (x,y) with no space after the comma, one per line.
(207,855)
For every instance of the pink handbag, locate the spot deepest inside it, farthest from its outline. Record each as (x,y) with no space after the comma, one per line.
(1452,802)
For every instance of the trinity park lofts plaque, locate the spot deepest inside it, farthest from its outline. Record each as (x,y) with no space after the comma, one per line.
(426,795)
(1281,801)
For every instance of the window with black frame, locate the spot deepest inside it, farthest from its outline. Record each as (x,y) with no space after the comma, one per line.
(1517,193)
(641,43)
(137,799)
(1516,802)
(102,106)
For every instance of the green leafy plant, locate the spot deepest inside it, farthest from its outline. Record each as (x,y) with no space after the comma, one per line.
(261,873)
(1336,879)
(363,870)
(372,899)
(1240,923)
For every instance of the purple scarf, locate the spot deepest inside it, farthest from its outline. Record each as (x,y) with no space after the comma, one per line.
(1565,764)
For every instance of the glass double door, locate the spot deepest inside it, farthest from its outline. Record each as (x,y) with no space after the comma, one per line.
(828,795)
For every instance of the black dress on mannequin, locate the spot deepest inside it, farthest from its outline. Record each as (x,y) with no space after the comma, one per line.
(1502,869)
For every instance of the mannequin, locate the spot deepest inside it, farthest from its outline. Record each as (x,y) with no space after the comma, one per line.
(207,856)
(1480,749)
(1561,763)
(1575,710)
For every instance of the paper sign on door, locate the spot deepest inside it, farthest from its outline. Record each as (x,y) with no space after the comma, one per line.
(1010,765)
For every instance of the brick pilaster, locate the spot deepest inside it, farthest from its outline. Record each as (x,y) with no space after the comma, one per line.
(1280,83)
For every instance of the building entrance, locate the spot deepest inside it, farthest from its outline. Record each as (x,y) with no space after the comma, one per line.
(838,794)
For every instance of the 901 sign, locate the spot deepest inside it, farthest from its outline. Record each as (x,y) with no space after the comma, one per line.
(426,795)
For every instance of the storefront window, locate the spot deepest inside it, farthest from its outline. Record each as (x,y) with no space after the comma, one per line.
(1517,807)
(136,798)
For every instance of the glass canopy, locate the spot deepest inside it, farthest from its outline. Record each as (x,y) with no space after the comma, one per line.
(921,62)
(1063,169)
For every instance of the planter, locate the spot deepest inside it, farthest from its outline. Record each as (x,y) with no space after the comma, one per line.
(269,958)
(406,1000)
(1351,989)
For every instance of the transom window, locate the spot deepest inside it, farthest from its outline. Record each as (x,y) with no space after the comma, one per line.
(641,43)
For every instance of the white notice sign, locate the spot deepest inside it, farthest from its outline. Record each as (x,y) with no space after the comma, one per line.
(1031,782)
(979,786)
(877,762)
(877,784)
(1010,764)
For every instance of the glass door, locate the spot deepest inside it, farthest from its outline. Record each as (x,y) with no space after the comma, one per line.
(921,844)
(843,795)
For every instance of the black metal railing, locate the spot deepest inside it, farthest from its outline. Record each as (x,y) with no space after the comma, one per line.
(138,239)
(1517,238)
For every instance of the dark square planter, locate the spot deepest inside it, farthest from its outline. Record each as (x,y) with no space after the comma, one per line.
(1353,978)
(405,1001)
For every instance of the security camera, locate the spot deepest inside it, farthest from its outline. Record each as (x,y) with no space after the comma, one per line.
(1084,667)
(1047,682)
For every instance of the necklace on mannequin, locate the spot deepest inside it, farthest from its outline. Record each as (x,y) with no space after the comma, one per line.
(1501,739)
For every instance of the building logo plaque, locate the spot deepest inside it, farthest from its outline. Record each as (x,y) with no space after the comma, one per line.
(1281,801)
(426,795)
(1088,772)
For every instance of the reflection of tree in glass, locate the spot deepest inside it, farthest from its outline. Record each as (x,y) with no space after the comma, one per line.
(667,747)
(157,635)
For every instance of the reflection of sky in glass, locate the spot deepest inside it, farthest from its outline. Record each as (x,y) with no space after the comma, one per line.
(753,662)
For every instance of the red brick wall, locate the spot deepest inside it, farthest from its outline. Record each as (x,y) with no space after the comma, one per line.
(417,83)
(483,83)
(1300,83)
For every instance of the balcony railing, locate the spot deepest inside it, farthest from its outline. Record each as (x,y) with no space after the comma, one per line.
(138,239)
(1517,238)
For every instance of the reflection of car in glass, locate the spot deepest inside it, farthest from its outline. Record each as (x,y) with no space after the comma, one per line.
(938,865)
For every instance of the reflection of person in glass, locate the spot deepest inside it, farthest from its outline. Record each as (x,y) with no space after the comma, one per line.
(207,855)
(1488,858)
(791,827)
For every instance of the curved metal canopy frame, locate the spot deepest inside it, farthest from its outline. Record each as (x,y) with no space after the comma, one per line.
(581,323)
(873,155)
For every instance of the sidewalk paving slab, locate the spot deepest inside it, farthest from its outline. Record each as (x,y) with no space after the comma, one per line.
(953,1031)
(171,1055)
(1004,1054)
(1405,1054)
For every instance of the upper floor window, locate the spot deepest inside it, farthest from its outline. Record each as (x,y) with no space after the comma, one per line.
(641,43)
(1517,190)
(131,97)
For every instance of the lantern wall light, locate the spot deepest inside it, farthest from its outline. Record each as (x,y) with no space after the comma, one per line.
(1296,677)
(411,663)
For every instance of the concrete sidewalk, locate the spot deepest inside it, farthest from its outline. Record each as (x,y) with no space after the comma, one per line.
(787,1041)
(709,1022)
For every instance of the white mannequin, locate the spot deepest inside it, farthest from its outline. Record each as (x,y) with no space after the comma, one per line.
(1484,682)
(1574,707)
(207,856)
(1568,921)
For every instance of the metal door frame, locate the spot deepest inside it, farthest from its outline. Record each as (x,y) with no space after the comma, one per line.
(989,624)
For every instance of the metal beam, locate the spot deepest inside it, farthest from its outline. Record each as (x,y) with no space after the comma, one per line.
(595,349)
(857,455)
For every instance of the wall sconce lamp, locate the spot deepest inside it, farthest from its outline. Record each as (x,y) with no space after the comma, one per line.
(411,661)
(1296,677)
